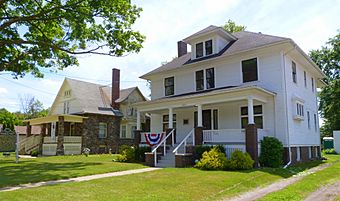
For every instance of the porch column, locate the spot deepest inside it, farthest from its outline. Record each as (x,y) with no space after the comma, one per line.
(250,110)
(251,133)
(60,143)
(138,121)
(171,119)
(199,116)
(42,135)
(28,129)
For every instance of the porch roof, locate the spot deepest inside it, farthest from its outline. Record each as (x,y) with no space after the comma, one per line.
(55,118)
(218,95)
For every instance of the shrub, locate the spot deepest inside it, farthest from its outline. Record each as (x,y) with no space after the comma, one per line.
(127,154)
(239,161)
(140,153)
(34,153)
(329,151)
(212,160)
(271,152)
(200,149)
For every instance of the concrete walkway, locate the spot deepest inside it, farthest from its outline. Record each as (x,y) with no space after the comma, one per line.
(261,192)
(78,179)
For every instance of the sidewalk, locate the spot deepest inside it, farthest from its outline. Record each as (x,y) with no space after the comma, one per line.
(77,179)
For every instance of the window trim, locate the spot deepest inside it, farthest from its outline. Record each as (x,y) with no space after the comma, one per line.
(205,78)
(164,94)
(255,115)
(204,50)
(294,75)
(121,131)
(203,47)
(258,70)
(105,136)
(174,121)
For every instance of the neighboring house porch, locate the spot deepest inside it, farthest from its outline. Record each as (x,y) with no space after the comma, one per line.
(237,117)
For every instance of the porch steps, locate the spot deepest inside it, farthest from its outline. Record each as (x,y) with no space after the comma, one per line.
(169,159)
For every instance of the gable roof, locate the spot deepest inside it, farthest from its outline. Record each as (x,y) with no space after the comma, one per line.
(211,29)
(245,41)
(95,98)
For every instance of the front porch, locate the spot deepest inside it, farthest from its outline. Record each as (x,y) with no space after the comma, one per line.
(60,134)
(237,119)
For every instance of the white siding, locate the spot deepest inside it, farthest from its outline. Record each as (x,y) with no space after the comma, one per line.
(299,132)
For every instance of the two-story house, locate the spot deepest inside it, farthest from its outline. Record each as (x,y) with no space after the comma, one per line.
(89,115)
(235,88)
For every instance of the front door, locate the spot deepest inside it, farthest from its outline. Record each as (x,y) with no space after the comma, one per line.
(206,119)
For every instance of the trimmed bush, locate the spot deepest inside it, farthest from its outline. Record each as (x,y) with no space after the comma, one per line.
(140,153)
(329,151)
(212,160)
(127,154)
(239,161)
(200,149)
(34,153)
(271,152)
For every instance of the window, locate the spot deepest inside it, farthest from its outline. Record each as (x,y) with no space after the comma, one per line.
(199,80)
(123,131)
(312,84)
(67,93)
(305,78)
(294,71)
(208,47)
(300,110)
(258,116)
(166,121)
(210,76)
(315,123)
(249,70)
(102,130)
(308,119)
(169,86)
(215,119)
(199,50)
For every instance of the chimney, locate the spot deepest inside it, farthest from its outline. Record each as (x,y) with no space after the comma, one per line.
(115,88)
(182,48)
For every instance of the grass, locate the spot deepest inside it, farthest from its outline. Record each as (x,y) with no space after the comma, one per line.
(57,167)
(309,184)
(164,184)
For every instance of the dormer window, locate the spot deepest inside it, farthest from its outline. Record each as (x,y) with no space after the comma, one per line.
(199,50)
(208,47)
(204,48)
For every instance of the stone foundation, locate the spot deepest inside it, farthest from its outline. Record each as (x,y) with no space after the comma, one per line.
(251,143)
(184,160)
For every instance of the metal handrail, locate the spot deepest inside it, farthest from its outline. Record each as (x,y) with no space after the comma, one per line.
(154,151)
(185,141)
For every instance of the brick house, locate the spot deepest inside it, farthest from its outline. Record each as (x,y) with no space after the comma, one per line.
(89,115)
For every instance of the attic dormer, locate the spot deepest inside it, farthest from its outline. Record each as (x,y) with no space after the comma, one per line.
(208,41)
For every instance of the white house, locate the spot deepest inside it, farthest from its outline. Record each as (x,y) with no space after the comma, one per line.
(234,89)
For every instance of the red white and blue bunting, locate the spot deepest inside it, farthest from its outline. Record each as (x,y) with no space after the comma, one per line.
(153,139)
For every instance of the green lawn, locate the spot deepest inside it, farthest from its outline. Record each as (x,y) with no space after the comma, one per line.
(310,183)
(57,167)
(164,184)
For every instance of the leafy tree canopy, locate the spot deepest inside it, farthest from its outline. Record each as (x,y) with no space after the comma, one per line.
(231,27)
(7,119)
(328,59)
(50,33)
(31,108)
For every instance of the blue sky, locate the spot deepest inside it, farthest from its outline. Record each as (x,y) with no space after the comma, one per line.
(308,22)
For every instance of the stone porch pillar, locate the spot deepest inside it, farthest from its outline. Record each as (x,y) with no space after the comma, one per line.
(42,135)
(137,137)
(60,143)
(28,130)
(251,133)
(198,132)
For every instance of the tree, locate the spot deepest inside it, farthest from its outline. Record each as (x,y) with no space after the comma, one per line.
(32,108)
(7,119)
(328,59)
(50,34)
(231,27)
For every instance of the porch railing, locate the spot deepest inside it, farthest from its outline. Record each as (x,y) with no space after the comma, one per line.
(184,141)
(29,143)
(67,139)
(154,151)
(229,135)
